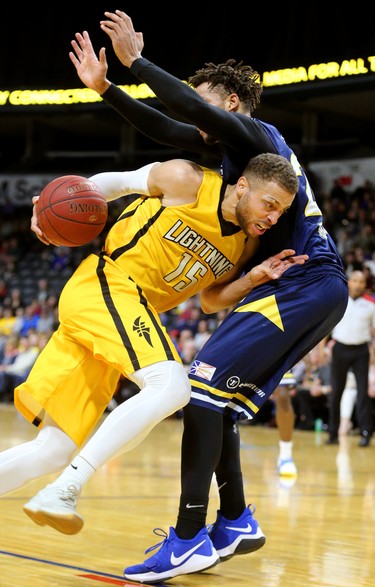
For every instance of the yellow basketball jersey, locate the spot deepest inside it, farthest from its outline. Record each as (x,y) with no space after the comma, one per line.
(173,252)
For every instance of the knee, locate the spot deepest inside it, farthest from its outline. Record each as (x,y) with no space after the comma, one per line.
(177,385)
(55,448)
(168,383)
(185,392)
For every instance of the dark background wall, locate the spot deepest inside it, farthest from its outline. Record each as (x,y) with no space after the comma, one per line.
(321,121)
(35,40)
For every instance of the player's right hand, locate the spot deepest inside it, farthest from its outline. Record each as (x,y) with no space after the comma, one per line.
(127,44)
(34,224)
(91,70)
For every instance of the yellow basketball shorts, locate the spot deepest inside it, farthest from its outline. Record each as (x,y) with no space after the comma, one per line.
(106,329)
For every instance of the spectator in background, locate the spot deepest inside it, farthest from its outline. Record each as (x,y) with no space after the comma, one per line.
(17,371)
(365,239)
(352,338)
(311,400)
(285,419)
(351,262)
(190,321)
(19,319)
(349,398)
(43,291)
(47,318)
(347,404)
(203,333)
(188,352)
(184,335)
(30,319)
(15,300)
(338,196)
(7,321)
(10,350)
(60,258)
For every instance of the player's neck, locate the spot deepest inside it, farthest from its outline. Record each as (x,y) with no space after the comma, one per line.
(228,206)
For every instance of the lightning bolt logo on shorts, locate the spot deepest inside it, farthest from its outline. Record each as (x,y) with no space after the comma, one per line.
(143,330)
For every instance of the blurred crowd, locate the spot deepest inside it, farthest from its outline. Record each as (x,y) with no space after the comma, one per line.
(32,276)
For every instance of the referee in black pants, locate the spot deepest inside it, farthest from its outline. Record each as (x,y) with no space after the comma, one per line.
(353,336)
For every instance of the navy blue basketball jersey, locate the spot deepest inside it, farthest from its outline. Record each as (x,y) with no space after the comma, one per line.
(279,322)
(304,232)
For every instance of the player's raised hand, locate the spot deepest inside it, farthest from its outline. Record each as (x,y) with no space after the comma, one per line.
(275,266)
(127,44)
(91,70)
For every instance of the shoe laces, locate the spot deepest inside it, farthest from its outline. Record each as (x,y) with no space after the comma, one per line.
(158,532)
(252,508)
(69,494)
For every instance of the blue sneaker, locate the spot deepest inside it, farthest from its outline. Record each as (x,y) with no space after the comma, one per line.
(175,557)
(240,536)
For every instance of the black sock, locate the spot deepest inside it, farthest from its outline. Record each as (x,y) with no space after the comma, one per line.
(200,452)
(192,516)
(228,472)
(232,499)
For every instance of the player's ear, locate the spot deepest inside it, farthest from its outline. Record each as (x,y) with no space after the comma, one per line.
(232,103)
(242,186)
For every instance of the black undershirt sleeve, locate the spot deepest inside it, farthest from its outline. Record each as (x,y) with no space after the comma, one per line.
(154,124)
(238,137)
(233,130)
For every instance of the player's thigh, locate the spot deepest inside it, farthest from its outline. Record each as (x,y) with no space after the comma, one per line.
(112,318)
(69,384)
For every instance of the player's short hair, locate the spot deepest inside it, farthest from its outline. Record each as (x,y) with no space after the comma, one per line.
(231,78)
(272,167)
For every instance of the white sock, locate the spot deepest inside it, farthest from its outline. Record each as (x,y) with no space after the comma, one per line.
(286,448)
(77,473)
(164,388)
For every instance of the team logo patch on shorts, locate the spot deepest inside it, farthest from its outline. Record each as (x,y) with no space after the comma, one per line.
(202,370)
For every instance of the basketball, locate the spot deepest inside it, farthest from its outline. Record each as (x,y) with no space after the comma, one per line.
(71,211)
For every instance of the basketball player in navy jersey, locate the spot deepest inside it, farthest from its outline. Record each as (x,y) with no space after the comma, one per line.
(270,328)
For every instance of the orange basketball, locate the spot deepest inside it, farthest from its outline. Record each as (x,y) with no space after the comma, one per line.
(71,211)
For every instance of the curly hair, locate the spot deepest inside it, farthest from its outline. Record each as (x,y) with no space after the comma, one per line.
(232,78)
(271,167)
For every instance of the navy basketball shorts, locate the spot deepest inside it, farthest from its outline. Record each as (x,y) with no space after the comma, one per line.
(264,336)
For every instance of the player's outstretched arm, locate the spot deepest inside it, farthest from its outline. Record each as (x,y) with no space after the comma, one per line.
(92,71)
(178,96)
(177,181)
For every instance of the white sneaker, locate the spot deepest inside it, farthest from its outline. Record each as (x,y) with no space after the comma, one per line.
(287,468)
(56,507)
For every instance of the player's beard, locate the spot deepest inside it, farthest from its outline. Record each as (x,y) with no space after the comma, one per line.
(242,215)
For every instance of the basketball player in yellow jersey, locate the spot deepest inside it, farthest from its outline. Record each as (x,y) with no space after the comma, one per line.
(186,229)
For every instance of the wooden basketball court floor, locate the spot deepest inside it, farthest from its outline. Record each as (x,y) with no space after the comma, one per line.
(320,531)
